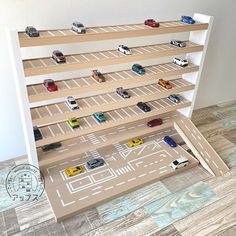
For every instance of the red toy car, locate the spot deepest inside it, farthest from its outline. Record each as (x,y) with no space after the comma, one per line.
(50,85)
(154,122)
(151,22)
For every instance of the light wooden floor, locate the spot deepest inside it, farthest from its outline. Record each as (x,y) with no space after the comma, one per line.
(191,203)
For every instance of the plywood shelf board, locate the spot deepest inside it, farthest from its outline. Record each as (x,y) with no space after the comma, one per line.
(62,36)
(43,66)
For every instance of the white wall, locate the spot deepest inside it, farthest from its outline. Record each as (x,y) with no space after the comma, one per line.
(217,84)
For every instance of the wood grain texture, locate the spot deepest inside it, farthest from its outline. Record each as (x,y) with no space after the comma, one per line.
(130,202)
(168,231)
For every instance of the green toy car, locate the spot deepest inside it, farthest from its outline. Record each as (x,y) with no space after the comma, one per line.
(73,122)
(138,69)
(99,116)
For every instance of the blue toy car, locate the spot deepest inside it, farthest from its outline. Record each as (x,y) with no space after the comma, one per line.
(95,163)
(138,69)
(174,98)
(99,116)
(170,141)
(188,20)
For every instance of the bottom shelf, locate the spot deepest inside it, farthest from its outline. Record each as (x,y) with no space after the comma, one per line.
(126,170)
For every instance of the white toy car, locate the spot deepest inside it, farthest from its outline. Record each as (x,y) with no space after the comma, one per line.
(124,49)
(71,103)
(78,27)
(178,163)
(180,62)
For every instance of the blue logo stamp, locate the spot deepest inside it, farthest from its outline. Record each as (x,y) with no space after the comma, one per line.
(25,182)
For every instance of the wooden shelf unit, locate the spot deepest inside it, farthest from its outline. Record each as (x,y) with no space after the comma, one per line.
(33,98)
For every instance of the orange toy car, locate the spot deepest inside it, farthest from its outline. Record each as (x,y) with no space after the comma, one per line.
(165,84)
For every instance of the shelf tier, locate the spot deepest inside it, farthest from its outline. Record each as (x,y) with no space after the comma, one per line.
(78,86)
(62,36)
(101,139)
(63,131)
(41,66)
(55,113)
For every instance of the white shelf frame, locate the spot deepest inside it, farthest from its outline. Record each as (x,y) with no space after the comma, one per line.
(199,37)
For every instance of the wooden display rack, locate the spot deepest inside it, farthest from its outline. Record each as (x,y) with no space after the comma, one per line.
(49,113)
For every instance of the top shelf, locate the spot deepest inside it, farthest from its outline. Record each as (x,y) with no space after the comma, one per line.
(63,36)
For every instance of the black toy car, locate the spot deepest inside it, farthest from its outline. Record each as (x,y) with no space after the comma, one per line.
(122,92)
(51,146)
(143,106)
(37,133)
(174,98)
(31,31)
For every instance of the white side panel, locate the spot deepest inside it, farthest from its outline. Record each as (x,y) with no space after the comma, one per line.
(23,101)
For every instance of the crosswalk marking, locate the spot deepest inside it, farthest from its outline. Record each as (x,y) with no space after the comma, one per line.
(123,170)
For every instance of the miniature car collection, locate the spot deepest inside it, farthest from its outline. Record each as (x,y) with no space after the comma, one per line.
(58,56)
(99,116)
(71,103)
(97,75)
(73,122)
(180,62)
(72,171)
(124,49)
(151,22)
(165,84)
(122,92)
(37,133)
(143,106)
(168,140)
(187,20)
(154,122)
(31,31)
(135,142)
(78,27)
(174,98)
(178,43)
(138,69)
(51,146)
(178,163)
(50,85)
(94,163)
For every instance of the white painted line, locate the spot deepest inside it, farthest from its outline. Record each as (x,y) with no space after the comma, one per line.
(200,145)
(64,163)
(120,183)
(142,175)
(58,194)
(87,122)
(126,112)
(150,172)
(83,198)
(76,159)
(131,179)
(109,188)
(69,203)
(51,178)
(161,172)
(215,164)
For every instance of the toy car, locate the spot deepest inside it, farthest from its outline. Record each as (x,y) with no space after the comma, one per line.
(151,22)
(51,146)
(174,98)
(165,84)
(58,56)
(180,62)
(78,27)
(124,49)
(50,85)
(187,20)
(71,103)
(37,133)
(178,43)
(99,116)
(73,122)
(168,140)
(95,163)
(31,31)
(138,69)
(143,106)
(178,163)
(72,171)
(135,142)
(154,122)
(122,92)
(98,76)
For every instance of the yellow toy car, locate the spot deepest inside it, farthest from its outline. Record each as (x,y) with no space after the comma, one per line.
(71,171)
(73,122)
(135,142)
